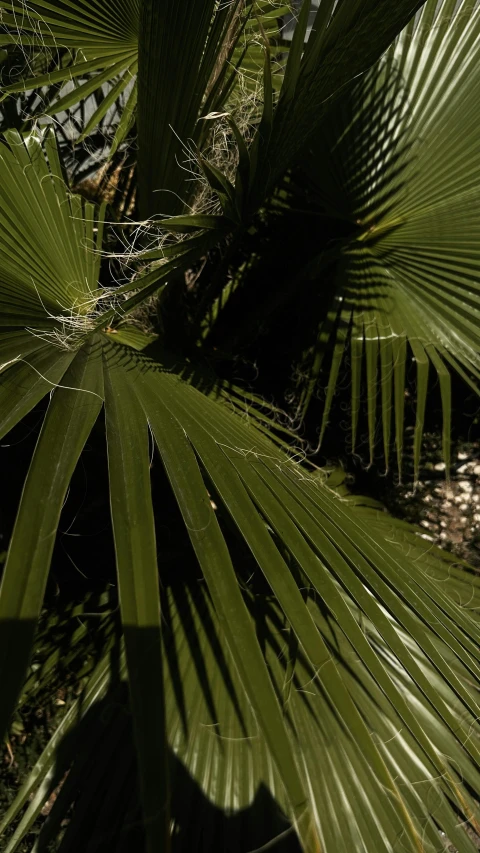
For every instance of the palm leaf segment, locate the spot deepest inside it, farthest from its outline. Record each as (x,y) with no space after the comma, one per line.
(264,19)
(288,678)
(46,272)
(100,42)
(403,152)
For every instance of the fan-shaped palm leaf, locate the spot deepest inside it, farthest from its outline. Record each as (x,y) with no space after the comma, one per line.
(314,75)
(346,38)
(323,690)
(174,83)
(211,728)
(403,155)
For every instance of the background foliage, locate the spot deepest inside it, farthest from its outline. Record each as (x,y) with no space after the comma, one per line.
(212,239)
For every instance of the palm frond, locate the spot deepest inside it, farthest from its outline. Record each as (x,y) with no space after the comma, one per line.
(402,155)
(182,49)
(222,57)
(266,496)
(339,672)
(346,39)
(211,727)
(46,271)
(264,21)
(314,75)
(90,47)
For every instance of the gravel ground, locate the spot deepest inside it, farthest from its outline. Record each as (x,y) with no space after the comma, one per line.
(448,510)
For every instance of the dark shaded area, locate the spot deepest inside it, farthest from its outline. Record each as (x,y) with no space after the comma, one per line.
(107,813)
(92,800)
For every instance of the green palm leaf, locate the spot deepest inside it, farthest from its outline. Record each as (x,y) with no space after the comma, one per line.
(173,84)
(314,75)
(139,593)
(346,38)
(49,257)
(264,19)
(73,411)
(105,43)
(325,543)
(402,155)
(340,673)
(211,728)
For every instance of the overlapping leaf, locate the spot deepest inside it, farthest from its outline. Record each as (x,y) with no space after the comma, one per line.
(313,654)
(211,729)
(95,43)
(49,248)
(403,153)
(184,53)
(300,537)
(338,51)
(264,20)
(346,38)
(100,44)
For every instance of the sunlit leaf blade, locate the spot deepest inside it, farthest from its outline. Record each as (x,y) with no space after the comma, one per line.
(127,120)
(211,729)
(362,580)
(107,103)
(279,576)
(30,378)
(71,414)
(49,241)
(138,586)
(403,154)
(254,452)
(310,716)
(341,543)
(300,655)
(212,553)
(15,344)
